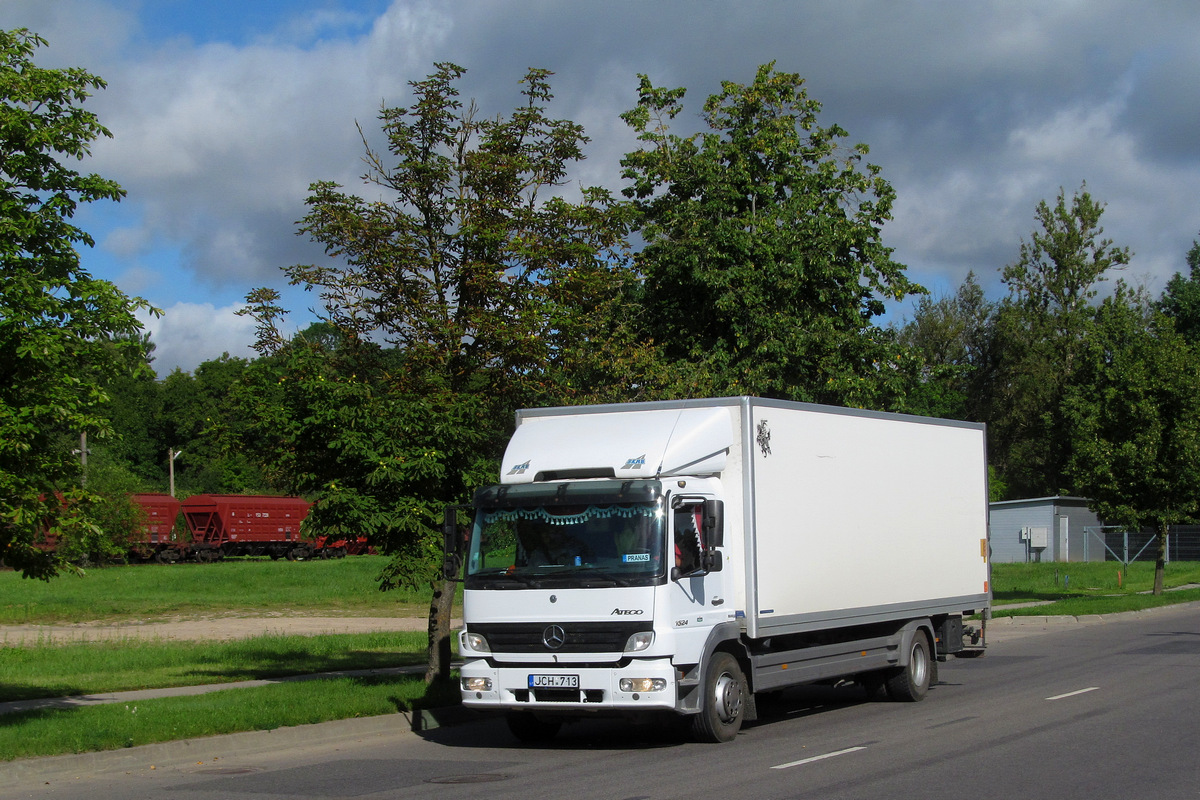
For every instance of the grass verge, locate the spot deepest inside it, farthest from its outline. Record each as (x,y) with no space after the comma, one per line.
(1082,606)
(1088,588)
(66,670)
(48,732)
(245,586)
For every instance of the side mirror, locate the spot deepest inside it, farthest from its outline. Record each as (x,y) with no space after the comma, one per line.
(714,523)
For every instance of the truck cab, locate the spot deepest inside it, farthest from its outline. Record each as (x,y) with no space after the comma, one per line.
(589,596)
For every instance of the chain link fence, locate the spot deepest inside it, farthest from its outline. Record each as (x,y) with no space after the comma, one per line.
(1183,543)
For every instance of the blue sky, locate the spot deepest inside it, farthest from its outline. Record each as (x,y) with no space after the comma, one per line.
(224,112)
(242,23)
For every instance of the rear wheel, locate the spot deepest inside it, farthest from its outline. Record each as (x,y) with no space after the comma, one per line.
(530,728)
(911,683)
(724,700)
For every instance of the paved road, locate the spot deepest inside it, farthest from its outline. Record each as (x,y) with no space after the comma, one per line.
(1101,710)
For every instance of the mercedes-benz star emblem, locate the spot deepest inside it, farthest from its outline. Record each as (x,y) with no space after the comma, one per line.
(554,637)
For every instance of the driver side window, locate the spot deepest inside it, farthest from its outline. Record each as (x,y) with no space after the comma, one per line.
(688,546)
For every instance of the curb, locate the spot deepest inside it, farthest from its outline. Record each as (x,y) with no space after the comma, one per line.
(210,750)
(1029,621)
(428,719)
(205,750)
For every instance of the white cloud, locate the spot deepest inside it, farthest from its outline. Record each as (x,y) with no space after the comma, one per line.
(218,144)
(188,334)
(975,112)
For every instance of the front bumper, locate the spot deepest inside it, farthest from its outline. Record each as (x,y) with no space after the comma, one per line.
(599,688)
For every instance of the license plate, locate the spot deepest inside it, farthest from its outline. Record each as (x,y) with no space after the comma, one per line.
(553,681)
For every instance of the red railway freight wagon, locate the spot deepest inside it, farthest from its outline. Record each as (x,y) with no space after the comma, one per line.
(246,525)
(155,539)
(330,547)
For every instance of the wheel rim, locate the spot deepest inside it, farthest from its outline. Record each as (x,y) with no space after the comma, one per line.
(919,665)
(728,697)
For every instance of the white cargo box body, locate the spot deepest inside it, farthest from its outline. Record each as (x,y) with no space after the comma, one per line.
(833,517)
(857,516)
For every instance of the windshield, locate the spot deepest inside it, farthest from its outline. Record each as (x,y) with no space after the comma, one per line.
(561,546)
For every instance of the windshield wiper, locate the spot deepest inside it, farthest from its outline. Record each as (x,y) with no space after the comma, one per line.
(598,573)
(503,579)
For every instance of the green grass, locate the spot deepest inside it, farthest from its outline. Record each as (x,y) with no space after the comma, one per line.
(1081,606)
(57,731)
(1088,588)
(127,665)
(244,586)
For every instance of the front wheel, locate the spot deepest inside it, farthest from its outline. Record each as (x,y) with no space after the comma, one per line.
(724,700)
(911,683)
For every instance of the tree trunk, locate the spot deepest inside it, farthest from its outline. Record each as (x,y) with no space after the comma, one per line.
(440,608)
(1160,563)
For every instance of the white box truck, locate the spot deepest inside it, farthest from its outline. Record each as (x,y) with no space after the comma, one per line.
(680,557)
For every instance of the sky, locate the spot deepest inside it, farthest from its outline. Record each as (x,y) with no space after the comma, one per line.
(223,113)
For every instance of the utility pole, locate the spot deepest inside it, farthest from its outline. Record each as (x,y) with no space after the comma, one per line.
(82,452)
(172,454)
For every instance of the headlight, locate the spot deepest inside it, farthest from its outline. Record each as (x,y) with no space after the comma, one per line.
(639,641)
(475,642)
(477,684)
(643,684)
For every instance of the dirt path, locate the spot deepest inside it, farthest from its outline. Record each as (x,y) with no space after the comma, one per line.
(215,628)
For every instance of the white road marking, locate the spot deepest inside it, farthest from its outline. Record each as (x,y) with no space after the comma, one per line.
(818,758)
(1072,694)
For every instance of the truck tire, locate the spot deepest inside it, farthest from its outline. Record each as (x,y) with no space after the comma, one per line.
(910,683)
(531,728)
(724,707)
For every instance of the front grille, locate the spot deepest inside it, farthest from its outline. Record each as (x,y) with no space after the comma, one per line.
(578,637)
(559,695)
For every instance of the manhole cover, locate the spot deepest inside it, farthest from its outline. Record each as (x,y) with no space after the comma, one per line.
(483,777)
(228,771)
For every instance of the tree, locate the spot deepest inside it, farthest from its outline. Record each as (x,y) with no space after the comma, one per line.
(1040,330)
(1181,298)
(950,340)
(135,411)
(763,256)
(218,437)
(477,278)
(63,333)
(467,262)
(1132,417)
